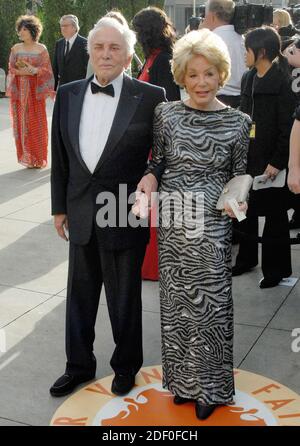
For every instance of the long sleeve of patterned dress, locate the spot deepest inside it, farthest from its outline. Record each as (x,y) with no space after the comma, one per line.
(11,85)
(157,163)
(45,77)
(240,149)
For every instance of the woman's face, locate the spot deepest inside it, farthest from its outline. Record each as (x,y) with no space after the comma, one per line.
(201,82)
(250,58)
(276,23)
(24,34)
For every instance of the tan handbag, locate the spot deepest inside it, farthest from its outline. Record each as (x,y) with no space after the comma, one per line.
(238,187)
(21,64)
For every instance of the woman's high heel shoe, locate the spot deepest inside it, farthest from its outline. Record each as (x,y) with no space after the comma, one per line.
(179,400)
(203,411)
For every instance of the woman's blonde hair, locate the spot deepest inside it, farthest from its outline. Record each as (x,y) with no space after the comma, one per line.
(204,43)
(284,18)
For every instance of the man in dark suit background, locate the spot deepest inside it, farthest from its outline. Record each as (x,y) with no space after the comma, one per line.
(70,55)
(101,137)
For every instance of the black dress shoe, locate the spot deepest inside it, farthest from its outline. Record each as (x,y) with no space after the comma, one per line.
(67,383)
(122,384)
(179,400)
(203,411)
(238,270)
(269,282)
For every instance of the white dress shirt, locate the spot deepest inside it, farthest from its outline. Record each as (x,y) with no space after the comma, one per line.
(71,42)
(237,51)
(98,112)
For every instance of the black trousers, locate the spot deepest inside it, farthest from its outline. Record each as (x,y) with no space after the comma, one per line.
(120,272)
(295,204)
(276,257)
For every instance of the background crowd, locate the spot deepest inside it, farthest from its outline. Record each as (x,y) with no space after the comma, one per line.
(32,79)
(240,122)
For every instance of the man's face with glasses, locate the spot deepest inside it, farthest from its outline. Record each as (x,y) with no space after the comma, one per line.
(67,29)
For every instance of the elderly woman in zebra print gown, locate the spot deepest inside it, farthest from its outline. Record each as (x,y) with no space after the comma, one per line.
(203,144)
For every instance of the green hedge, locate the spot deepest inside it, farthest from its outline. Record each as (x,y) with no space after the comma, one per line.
(10,10)
(88,12)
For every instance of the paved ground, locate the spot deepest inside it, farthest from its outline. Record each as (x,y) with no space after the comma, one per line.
(33,269)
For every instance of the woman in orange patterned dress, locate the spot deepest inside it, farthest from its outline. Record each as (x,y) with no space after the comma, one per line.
(30,82)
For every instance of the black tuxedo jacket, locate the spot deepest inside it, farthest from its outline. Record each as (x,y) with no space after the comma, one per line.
(74,67)
(124,160)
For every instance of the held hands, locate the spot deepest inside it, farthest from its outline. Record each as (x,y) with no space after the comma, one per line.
(146,187)
(62,226)
(141,205)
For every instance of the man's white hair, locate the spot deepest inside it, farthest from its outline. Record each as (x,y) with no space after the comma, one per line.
(108,22)
(71,18)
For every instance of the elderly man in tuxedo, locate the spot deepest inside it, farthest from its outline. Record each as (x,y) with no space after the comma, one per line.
(70,56)
(101,137)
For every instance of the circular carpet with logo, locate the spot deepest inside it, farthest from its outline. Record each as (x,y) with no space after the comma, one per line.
(259,401)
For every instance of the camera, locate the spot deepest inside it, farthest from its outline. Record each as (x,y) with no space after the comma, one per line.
(248,16)
(194,23)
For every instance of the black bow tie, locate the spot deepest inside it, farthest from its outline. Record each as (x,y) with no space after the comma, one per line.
(109,89)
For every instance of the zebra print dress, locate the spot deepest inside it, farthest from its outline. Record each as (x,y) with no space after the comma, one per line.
(202,151)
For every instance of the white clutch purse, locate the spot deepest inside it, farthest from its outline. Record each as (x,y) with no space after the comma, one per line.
(238,188)
(263,182)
